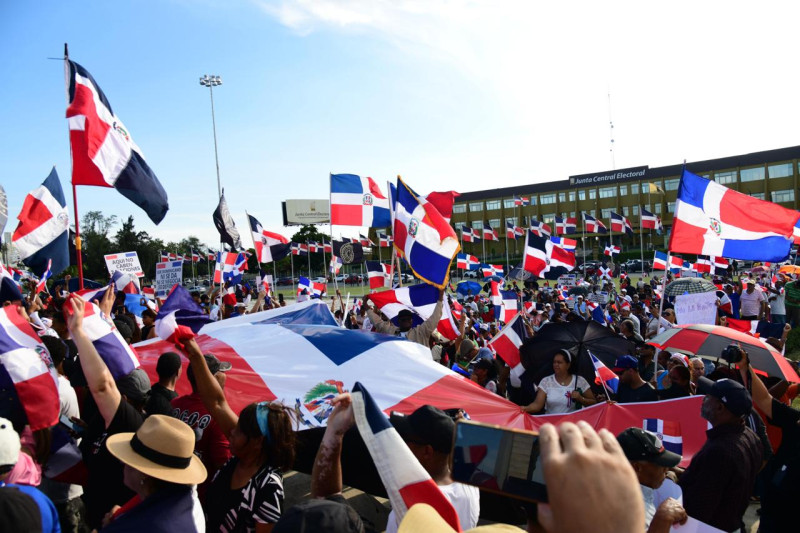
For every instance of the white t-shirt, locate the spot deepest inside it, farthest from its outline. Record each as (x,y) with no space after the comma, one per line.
(777,304)
(559,397)
(465,498)
(751,303)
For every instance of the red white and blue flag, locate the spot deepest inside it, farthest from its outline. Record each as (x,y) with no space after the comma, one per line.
(711,219)
(567,244)
(164,257)
(103,152)
(604,375)
(719,263)
(421,299)
(443,202)
(127,283)
(702,265)
(230,266)
(357,201)
(468,235)
(180,317)
(41,285)
(513,231)
(467,262)
(365,241)
(540,229)
(546,260)
(422,237)
(507,342)
(380,274)
(27,362)
(489,232)
(404,478)
(312,288)
(669,431)
(42,234)
(269,246)
(384,241)
(521,201)
(620,223)
(299,248)
(659,260)
(492,270)
(593,225)
(650,220)
(335,264)
(612,250)
(566,226)
(505,303)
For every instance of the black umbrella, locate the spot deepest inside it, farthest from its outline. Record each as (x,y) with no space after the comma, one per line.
(580,289)
(579,337)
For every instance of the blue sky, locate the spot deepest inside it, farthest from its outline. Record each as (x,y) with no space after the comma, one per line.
(451,95)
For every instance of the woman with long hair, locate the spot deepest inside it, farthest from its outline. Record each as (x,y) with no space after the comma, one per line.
(563,391)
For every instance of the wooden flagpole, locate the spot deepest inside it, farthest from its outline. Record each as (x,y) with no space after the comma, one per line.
(78,246)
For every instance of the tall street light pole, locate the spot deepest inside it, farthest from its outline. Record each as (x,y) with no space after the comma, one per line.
(211,82)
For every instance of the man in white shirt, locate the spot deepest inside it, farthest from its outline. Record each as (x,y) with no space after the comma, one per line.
(752,302)
(777,304)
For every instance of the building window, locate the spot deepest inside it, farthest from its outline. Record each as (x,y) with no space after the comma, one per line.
(582,194)
(783,196)
(549,219)
(592,212)
(657,208)
(759,195)
(492,204)
(571,196)
(512,220)
(459,208)
(605,213)
(547,199)
(671,185)
(508,203)
(533,199)
(751,174)
(779,171)
(475,206)
(670,207)
(725,178)
(592,194)
(562,197)
(572,214)
(494,223)
(625,210)
(608,192)
(623,190)
(636,210)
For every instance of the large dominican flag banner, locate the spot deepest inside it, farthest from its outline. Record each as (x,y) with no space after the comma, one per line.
(43,230)
(269,246)
(422,237)
(103,152)
(713,220)
(357,201)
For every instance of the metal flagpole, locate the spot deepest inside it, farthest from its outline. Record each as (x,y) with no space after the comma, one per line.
(641,231)
(308,245)
(78,253)
(483,242)
(508,268)
(291,261)
(583,240)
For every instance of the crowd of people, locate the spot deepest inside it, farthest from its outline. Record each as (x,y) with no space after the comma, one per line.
(158,461)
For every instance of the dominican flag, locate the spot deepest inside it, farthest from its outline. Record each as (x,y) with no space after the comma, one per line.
(422,237)
(562,242)
(405,480)
(650,220)
(566,226)
(41,285)
(492,270)
(540,229)
(127,283)
(668,431)
(659,261)
(365,241)
(299,248)
(504,302)
(676,264)
(357,201)
(467,262)
(164,257)
(420,299)
(230,266)
(314,247)
(702,265)
(327,248)
(603,374)
(443,202)
(380,274)
(511,230)
(711,219)
(42,234)
(521,201)
(335,264)
(593,225)
(312,288)
(27,362)
(65,463)
(719,263)
(118,356)
(507,342)
(467,235)
(517,202)
(725,304)
(384,241)
(179,317)
(269,246)
(620,223)
(612,250)
(605,272)
(489,233)
(103,152)
(544,259)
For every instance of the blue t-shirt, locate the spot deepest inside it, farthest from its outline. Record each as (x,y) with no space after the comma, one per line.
(734,303)
(50,521)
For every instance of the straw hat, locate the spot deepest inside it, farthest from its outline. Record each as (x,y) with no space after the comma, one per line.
(162,448)
(423,517)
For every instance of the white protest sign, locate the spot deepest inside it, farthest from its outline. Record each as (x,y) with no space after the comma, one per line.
(599,297)
(127,263)
(696,308)
(567,280)
(168,274)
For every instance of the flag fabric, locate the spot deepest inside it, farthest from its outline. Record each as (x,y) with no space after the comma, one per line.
(489,232)
(517,201)
(404,478)
(593,225)
(467,235)
(380,274)
(676,264)
(422,237)
(492,270)
(467,262)
(127,283)
(118,356)
(507,342)
(620,223)
(225,225)
(525,200)
(65,463)
(348,252)
(179,317)
(702,265)
(264,281)
(335,264)
(725,304)
(421,299)
(668,431)
(357,201)
(659,260)
(299,248)
(720,263)
(508,304)
(314,247)
(230,266)
(605,272)
(41,285)
(604,375)
(384,240)
(30,368)
(649,220)
(511,232)
(164,257)
(269,246)
(42,235)
(566,226)
(567,244)
(612,250)
(711,219)
(103,152)
(540,229)
(327,248)
(652,188)
(546,260)
(443,202)
(312,288)
(365,241)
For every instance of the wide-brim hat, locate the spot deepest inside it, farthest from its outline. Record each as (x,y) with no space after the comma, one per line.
(163,448)
(423,517)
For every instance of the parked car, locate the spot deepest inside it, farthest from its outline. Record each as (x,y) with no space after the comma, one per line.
(635,265)
(353,279)
(471,274)
(320,279)
(589,268)
(340,278)
(283,281)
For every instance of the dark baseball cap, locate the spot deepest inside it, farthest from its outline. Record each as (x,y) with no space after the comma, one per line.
(641,445)
(135,385)
(625,362)
(320,515)
(731,393)
(214,365)
(427,425)
(405,313)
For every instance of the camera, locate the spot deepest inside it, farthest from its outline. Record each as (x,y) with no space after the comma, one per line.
(732,354)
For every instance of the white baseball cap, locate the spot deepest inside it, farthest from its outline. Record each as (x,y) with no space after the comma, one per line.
(9,443)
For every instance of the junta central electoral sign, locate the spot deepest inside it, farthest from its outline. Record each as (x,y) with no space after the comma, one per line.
(298,212)
(126,262)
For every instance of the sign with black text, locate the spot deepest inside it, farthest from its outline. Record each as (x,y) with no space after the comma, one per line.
(168,274)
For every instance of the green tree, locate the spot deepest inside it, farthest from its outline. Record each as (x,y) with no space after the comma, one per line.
(95,229)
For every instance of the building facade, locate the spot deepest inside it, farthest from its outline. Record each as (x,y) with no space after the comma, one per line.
(770,175)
